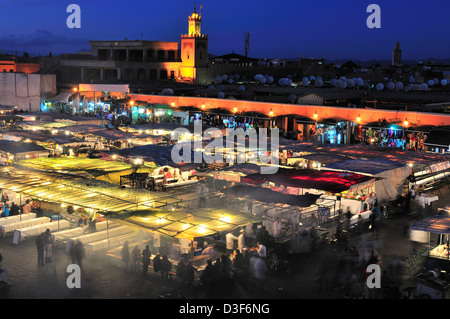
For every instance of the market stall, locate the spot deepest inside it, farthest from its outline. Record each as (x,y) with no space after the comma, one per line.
(434,231)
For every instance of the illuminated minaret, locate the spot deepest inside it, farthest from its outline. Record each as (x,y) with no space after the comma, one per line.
(397,55)
(194,48)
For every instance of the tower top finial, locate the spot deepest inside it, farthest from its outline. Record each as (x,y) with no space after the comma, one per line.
(195,7)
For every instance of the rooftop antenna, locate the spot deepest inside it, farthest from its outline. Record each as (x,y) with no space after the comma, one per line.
(246,43)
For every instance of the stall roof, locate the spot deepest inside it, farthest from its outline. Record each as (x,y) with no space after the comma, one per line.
(363,152)
(186,223)
(20,147)
(84,128)
(370,166)
(329,181)
(76,190)
(269,196)
(434,224)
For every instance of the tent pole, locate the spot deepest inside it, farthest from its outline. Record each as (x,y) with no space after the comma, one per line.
(107,231)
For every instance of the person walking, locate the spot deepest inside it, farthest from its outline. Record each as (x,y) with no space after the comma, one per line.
(40,249)
(77,253)
(202,195)
(125,252)
(261,250)
(189,273)
(146,254)
(421,200)
(48,246)
(135,258)
(166,266)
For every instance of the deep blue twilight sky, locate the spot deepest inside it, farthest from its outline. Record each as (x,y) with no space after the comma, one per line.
(278,28)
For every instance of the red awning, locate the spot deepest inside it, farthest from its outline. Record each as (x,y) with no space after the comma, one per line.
(329,181)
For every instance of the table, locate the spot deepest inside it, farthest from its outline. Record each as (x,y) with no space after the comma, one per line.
(16,218)
(99,235)
(65,234)
(364,215)
(22,233)
(112,242)
(429,199)
(6,229)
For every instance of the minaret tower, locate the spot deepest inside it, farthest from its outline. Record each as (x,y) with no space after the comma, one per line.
(397,55)
(194,48)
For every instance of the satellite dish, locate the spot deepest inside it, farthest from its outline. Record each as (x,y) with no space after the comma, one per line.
(424,86)
(359,82)
(391,85)
(241,88)
(444,82)
(221,95)
(430,82)
(270,79)
(333,82)
(211,87)
(380,86)
(319,83)
(312,78)
(399,85)
(350,83)
(167,91)
(343,84)
(230,81)
(285,81)
(218,79)
(225,77)
(257,77)
(237,77)
(412,79)
(342,78)
(305,81)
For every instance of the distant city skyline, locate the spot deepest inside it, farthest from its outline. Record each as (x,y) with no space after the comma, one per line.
(282,29)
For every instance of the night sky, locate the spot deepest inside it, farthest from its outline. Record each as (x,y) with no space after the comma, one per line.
(282,28)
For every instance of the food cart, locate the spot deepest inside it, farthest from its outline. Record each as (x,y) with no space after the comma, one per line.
(433,280)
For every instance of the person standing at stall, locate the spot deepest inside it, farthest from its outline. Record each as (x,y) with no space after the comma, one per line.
(5,211)
(26,209)
(229,241)
(40,249)
(241,240)
(146,254)
(48,248)
(125,252)
(135,258)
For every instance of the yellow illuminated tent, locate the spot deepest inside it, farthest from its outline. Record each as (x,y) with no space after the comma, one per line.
(186,223)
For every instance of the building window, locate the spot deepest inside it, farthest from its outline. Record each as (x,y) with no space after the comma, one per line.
(161,55)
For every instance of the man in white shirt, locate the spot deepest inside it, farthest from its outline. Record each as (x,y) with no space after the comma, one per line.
(241,240)
(421,200)
(261,250)
(229,240)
